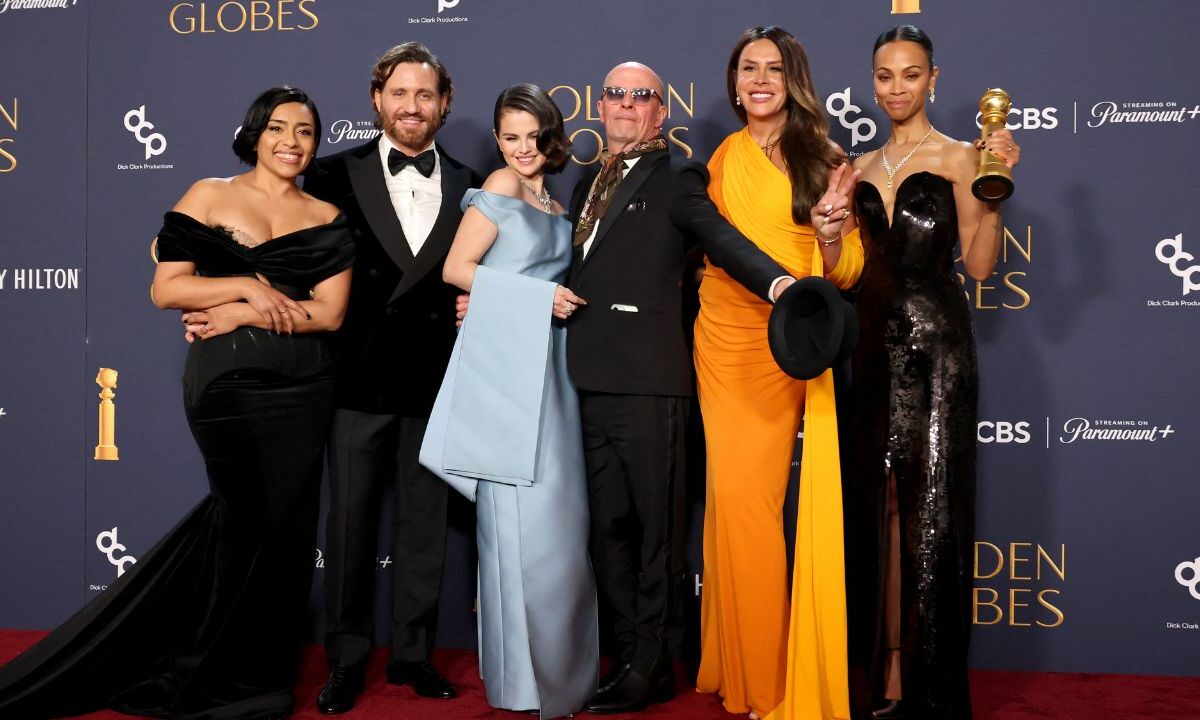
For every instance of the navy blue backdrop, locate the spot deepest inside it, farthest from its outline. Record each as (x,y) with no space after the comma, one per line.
(1088,556)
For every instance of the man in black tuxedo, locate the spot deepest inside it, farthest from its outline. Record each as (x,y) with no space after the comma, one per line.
(401,196)
(634,222)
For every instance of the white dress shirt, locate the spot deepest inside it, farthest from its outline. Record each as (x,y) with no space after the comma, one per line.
(416,198)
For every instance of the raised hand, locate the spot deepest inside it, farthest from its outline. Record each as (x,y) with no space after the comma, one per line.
(1001,144)
(831,210)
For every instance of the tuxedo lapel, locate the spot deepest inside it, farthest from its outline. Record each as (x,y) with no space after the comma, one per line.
(366,177)
(621,197)
(433,251)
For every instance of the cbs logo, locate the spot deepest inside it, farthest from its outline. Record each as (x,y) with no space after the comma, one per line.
(1003,432)
(1026,119)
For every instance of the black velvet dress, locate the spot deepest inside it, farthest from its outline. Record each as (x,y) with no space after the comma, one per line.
(914,413)
(208,623)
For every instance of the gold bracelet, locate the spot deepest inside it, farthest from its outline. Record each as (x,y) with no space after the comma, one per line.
(829,243)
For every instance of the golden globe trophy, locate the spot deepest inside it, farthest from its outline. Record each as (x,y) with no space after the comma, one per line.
(106,448)
(993,182)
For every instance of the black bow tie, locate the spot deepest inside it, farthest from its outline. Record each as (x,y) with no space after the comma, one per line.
(397,161)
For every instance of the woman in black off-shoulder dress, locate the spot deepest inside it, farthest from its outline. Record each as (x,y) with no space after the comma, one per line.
(208,623)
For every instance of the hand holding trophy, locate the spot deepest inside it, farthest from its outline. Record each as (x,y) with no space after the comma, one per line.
(993,182)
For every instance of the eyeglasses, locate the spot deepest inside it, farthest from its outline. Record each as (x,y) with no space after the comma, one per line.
(641,96)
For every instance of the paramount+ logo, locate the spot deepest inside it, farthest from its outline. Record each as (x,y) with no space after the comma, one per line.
(233,16)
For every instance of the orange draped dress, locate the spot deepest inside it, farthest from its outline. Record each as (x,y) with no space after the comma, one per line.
(761,650)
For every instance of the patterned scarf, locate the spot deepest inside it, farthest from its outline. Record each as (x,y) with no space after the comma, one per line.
(611,174)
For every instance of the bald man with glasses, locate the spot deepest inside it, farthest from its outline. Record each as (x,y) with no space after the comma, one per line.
(635,220)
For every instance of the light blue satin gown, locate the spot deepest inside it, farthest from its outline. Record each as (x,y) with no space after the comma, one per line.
(505,432)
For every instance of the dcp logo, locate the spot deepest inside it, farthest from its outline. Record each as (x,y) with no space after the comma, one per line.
(1002,431)
(1190,275)
(155,143)
(862,129)
(1026,119)
(444,5)
(106,542)
(1193,585)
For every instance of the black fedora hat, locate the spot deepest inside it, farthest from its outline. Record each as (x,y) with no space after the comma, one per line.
(811,328)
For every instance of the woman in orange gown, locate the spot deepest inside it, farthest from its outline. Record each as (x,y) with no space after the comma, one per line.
(783,184)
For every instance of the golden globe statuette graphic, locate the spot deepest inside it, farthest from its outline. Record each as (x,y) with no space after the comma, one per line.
(106,448)
(993,182)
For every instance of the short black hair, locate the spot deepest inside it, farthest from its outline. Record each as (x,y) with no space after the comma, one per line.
(552,138)
(259,114)
(906,33)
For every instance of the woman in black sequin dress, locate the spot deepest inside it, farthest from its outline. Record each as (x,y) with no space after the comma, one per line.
(208,623)
(911,489)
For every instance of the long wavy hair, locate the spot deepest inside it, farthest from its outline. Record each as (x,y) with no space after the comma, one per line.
(804,143)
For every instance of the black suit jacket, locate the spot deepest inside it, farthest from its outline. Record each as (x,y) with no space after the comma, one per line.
(395,341)
(629,338)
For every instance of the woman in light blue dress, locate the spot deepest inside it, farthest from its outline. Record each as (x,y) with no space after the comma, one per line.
(505,429)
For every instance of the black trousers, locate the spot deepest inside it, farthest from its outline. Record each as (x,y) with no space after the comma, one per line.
(634,450)
(367,452)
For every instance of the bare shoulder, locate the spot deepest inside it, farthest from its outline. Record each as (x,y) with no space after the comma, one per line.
(325,212)
(959,157)
(503,182)
(202,196)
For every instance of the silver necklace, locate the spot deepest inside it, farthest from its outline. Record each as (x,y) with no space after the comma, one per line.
(887,167)
(542,197)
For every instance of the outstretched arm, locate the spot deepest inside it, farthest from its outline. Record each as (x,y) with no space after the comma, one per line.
(694,213)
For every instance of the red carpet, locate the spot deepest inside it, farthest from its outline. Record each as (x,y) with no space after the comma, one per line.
(997,695)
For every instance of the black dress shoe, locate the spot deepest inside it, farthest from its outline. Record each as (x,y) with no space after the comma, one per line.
(889,710)
(341,690)
(422,676)
(613,677)
(633,692)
